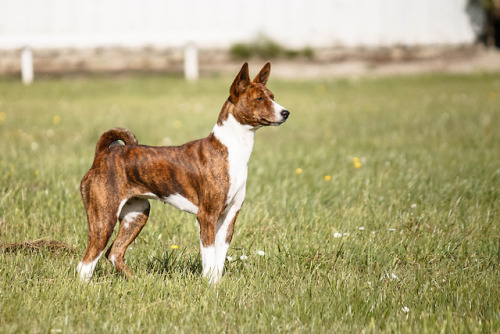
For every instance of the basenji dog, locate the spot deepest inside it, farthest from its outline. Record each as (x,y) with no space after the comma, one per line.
(205,177)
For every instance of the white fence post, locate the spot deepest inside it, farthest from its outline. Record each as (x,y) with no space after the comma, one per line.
(27,74)
(191,71)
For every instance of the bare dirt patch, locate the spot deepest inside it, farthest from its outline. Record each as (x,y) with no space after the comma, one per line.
(53,246)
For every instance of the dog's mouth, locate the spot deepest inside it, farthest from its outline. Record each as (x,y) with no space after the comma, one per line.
(266,122)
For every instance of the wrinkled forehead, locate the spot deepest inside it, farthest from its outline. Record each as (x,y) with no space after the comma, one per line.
(257,88)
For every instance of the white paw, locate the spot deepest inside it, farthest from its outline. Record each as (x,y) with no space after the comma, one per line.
(213,275)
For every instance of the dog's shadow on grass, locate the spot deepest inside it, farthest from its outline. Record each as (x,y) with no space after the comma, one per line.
(175,261)
(169,263)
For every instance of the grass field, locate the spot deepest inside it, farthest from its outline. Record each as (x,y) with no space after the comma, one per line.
(376,206)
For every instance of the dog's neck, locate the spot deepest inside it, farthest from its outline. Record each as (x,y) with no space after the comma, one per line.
(237,137)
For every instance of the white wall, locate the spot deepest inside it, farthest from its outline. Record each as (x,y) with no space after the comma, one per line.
(317,23)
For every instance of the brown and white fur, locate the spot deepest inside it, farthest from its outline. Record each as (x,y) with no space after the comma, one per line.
(205,177)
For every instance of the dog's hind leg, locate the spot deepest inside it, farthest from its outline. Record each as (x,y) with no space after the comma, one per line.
(100,230)
(133,216)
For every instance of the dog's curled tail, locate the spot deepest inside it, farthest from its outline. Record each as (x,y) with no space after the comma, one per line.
(110,136)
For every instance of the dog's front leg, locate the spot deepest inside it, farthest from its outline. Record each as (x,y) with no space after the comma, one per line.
(225,229)
(208,225)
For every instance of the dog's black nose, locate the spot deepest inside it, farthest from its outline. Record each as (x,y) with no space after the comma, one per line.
(285,113)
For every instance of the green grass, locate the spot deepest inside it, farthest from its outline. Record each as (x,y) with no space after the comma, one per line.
(427,195)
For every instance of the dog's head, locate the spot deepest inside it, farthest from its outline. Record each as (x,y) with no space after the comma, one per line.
(254,104)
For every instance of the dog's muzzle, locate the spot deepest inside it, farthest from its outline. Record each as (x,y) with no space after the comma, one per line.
(285,113)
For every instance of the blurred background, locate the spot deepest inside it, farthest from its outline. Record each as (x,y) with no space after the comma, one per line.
(319,37)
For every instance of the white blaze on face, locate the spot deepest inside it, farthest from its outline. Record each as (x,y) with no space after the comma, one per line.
(277,112)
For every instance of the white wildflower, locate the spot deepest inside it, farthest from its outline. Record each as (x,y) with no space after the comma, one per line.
(405,309)
(243,257)
(261,253)
(337,235)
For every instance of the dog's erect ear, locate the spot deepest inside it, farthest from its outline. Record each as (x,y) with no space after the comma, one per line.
(263,74)
(240,83)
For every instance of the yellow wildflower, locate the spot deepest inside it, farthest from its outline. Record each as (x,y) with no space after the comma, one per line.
(3,116)
(327,177)
(174,247)
(298,170)
(56,120)
(356,162)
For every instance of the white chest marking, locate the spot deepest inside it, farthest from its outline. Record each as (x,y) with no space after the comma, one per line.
(238,139)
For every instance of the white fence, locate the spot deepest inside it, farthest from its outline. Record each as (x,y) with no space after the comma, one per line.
(219,23)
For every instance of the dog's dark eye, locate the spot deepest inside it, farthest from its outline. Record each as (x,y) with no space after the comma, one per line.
(260,99)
